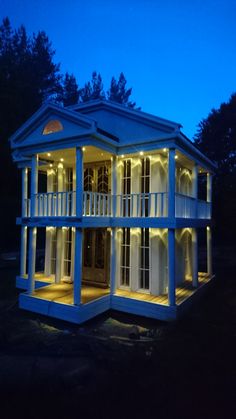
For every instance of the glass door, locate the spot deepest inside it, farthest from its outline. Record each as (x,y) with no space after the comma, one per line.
(96,256)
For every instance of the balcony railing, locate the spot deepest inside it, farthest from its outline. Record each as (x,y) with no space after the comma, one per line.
(154,204)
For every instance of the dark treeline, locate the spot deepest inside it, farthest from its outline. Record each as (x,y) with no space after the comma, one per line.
(216,137)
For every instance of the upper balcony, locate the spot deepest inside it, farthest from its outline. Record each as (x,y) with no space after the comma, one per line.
(155,204)
(94,183)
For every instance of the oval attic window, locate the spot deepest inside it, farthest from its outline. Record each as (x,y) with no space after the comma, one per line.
(52,126)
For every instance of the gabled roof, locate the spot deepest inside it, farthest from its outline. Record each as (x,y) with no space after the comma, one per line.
(46,111)
(92,105)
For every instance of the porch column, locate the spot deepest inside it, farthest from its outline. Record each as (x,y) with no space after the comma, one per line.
(194,258)
(209,251)
(114,184)
(171,183)
(24,195)
(79,182)
(34,185)
(78,266)
(195,187)
(113,262)
(171,266)
(48,251)
(209,190)
(32,259)
(23,250)
(58,256)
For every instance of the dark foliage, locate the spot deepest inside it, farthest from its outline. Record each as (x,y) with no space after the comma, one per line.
(70,91)
(119,93)
(216,137)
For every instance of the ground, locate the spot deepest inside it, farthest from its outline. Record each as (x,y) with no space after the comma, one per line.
(121,366)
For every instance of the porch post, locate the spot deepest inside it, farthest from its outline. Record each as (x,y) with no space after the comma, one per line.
(24,192)
(78,266)
(79,182)
(209,251)
(23,250)
(113,262)
(209,189)
(171,183)
(114,184)
(32,259)
(34,185)
(48,247)
(171,266)
(194,258)
(195,187)
(58,255)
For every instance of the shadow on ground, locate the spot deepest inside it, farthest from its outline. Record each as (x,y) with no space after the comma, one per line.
(121,366)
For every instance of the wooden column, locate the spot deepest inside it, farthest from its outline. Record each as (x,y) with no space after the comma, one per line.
(113,262)
(34,185)
(114,184)
(24,192)
(79,182)
(195,187)
(209,190)
(32,259)
(171,183)
(78,266)
(194,258)
(59,256)
(209,251)
(171,266)
(23,250)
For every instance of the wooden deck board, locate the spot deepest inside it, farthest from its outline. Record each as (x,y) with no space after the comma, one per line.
(63,293)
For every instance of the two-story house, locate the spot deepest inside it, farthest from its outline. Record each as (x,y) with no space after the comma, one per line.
(111,194)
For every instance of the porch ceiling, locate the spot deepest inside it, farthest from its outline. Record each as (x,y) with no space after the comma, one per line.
(91,154)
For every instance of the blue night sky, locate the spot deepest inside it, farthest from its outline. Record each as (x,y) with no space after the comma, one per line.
(179,56)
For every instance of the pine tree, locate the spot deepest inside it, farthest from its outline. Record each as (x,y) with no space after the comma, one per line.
(70,91)
(119,93)
(93,90)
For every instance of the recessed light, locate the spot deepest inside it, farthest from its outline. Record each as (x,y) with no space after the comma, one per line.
(165,149)
(141,153)
(122,155)
(176,157)
(49,154)
(101,154)
(83,148)
(50,164)
(61,159)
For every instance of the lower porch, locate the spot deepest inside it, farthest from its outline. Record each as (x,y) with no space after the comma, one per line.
(56,300)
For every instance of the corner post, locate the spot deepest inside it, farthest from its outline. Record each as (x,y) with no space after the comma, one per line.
(78,266)
(32,259)
(171,266)
(79,182)
(113,262)
(114,184)
(34,185)
(24,195)
(23,250)
(195,188)
(209,251)
(209,190)
(171,183)
(194,258)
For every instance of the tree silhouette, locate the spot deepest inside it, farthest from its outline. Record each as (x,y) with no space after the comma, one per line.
(93,90)
(119,93)
(216,137)
(70,91)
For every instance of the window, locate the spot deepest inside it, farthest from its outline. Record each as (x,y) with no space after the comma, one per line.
(126,183)
(145,186)
(88,179)
(52,126)
(67,252)
(102,179)
(125,258)
(69,179)
(144,259)
(53,250)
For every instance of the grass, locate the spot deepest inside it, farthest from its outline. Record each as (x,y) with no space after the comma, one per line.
(121,366)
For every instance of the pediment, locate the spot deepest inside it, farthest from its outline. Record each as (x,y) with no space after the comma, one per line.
(51,124)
